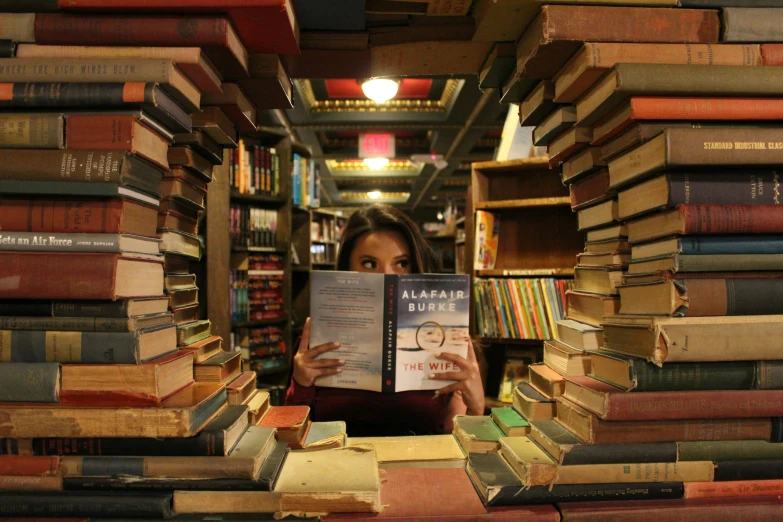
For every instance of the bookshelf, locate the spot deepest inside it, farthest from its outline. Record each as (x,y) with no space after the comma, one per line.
(226,255)
(538,238)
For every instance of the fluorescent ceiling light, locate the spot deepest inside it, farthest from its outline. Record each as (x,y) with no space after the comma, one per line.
(376,163)
(380,90)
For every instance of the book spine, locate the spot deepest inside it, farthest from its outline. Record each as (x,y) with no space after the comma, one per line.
(621,453)
(67,165)
(520,496)
(90,216)
(101,132)
(751,25)
(117,309)
(159,484)
(31,346)
(65,504)
(718,297)
(25,382)
(77,94)
(590,189)
(698,109)
(7,48)
(17,70)
(727,188)
(204,444)
(772,54)
(692,376)
(728,450)
(740,488)
(644,472)
(731,219)
(665,405)
(755,469)
(389,362)
(25,465)
(174,31)
(723,146)
(31,131)
(57,242)
(63,324)
(13,483)
(636,24)
(707,245)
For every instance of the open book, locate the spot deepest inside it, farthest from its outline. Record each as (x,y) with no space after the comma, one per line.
(391,327)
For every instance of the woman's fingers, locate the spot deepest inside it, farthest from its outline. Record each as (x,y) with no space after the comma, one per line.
(305,342)
(312,353)
(453,357)
(326,363)
(450,388)
(327,371)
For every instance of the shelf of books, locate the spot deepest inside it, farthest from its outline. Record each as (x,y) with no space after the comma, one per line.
(524,239)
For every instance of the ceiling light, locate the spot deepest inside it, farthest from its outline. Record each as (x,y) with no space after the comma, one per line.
(440,216)
(375,194)
(380,90)
(376,163)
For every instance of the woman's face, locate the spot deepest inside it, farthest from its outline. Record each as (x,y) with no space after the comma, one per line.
(381,252)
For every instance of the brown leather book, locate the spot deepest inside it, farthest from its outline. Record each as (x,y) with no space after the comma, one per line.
(593,430)
(560,30)
(84,215)
(44,275)
(116,132)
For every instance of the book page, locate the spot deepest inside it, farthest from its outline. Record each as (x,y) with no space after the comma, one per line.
(347,308)
(432,317)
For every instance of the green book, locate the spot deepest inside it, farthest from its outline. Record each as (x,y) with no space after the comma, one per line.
(510,422)
(477,434)
(729,450)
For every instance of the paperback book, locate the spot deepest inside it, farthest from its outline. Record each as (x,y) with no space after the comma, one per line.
(390,327)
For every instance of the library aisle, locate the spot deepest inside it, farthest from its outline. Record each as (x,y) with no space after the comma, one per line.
(502,260)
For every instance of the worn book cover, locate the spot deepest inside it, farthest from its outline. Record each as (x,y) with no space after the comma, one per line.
(391,327)
(487,238)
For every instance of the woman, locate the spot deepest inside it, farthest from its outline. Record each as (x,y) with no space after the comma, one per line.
(382,239)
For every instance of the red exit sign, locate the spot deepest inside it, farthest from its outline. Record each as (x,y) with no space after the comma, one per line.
(376,145)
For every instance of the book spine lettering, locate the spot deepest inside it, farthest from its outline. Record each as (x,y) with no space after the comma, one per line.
(12,483)
(724,146)
(57,242)
(693,376)
(96,216)
(68,165)
(77,94)
(740,488)
(31,131)
(728,188)
(389,362)
(204,444)
(699,109)
(731,219)
(90,308)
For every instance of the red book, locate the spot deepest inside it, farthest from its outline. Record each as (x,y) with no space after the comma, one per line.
(733,488)
(613,404)
(590,190)
(43,275)
(291,422)
(214,34)
(690,109)
(116,132)
(432,494)
(772,54)
(25,465)
(694,510)
(265,26)
(85,215)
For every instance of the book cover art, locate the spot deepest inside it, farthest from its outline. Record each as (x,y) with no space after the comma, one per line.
(487,237)
(391,327)
(432,318)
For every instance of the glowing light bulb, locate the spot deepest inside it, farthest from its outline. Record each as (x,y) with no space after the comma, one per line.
(376,163)
(375,194)
(380,90)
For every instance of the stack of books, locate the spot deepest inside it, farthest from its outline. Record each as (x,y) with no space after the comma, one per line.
(664,389)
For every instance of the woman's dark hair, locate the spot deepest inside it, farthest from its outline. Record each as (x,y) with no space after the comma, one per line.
(384,217)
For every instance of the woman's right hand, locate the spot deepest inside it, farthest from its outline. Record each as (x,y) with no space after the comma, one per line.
(306,367)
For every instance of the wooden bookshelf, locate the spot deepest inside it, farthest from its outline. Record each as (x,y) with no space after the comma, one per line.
(538,239)
(222,257)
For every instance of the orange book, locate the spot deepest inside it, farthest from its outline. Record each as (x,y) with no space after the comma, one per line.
(290,421)
(660,108)
(772,54)
(27,465)
(734,488)
(115,132)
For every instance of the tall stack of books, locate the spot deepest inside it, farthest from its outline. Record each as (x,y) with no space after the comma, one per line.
(664,136)
(106,163)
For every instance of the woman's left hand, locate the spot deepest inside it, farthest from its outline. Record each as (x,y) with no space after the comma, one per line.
(468,380)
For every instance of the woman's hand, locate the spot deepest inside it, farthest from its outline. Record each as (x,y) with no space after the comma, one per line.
(468,379)
(306,368)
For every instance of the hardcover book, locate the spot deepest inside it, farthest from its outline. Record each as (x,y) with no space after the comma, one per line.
(391,327)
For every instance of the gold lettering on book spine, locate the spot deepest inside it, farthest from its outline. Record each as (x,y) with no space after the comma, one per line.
(64,347)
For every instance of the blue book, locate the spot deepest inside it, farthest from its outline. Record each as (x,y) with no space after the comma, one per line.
(297,182)
(710,245)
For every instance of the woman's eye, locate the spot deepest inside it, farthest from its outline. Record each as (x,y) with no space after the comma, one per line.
(368,264)
(403,264)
